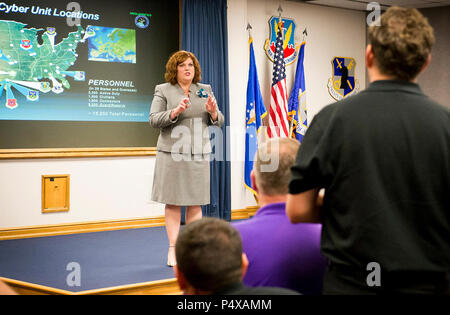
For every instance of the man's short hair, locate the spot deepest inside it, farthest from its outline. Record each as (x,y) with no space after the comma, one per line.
(209,254)
(402,42)
(275,180)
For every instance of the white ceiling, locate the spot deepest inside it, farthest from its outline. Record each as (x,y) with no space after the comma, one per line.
(362,4)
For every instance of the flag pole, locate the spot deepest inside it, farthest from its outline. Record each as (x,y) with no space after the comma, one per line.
(280,10)
(280,25)
(291,129)
(249,28)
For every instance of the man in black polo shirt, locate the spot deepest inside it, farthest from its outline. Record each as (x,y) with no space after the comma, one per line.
(383,157)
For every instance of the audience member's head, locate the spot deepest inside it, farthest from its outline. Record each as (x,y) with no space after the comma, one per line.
(209,256)
(272,166)
(401,42)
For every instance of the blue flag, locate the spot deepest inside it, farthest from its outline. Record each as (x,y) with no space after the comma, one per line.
(255,113)
(297,100)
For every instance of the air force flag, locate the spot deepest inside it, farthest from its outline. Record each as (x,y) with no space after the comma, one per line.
(297,100)
(255,113)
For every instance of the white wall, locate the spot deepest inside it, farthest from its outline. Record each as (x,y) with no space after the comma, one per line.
(100,189)
(119,188)
(331,32)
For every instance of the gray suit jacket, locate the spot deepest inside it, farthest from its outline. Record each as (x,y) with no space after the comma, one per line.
(188,133)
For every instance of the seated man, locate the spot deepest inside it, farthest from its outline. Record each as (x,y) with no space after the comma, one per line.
(211,262)
(280,253)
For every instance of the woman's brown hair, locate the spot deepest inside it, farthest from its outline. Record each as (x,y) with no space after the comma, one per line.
(178,58)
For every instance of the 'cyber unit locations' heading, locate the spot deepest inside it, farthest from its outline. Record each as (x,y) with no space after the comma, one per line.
(36,10)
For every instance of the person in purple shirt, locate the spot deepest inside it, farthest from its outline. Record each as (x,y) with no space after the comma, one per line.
(279,252)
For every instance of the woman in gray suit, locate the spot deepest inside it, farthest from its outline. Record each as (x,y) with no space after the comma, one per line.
(182,109)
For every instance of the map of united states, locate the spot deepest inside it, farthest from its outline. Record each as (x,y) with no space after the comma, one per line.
(31,67)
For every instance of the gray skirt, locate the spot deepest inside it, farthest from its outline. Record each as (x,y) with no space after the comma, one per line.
(181,179)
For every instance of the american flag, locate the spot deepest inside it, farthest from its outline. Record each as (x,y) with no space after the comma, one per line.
(278,118)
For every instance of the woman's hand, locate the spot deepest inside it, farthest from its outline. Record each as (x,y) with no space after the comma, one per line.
(211,107)
(185,103)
